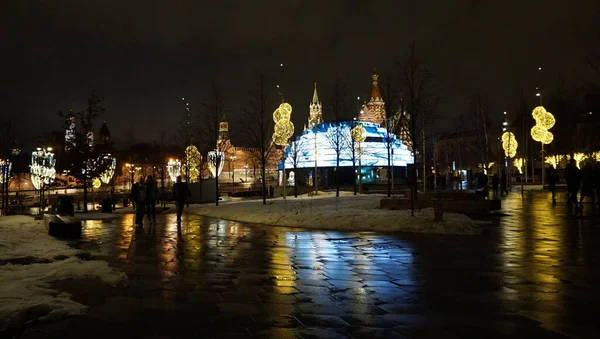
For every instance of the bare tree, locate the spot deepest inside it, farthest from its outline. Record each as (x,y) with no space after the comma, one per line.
(86,162)
(351,151)
(340,106)
(211,113)
(5,163)
(259,128)
(392,123)
(295,154)
(415,83)
(479,117)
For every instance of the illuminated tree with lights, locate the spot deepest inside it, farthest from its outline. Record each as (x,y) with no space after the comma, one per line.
(295,153)
(338,105)
(282,132)
(193,162)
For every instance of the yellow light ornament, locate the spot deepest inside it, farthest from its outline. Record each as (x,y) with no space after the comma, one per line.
(193,161)
(359,133)
(544,120)
(284,128)
(509,144)
(96,183)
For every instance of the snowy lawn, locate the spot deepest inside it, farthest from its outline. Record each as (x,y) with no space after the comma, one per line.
(348,212)
(25,292)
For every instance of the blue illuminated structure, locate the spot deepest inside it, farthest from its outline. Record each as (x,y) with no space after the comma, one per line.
(301,153)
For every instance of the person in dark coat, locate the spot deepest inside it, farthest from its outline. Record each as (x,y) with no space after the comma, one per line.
(552,181)
(181,193)
(503,183)
(587,183)
(572,177)
(138,196)
(495,183)
(482,181)
(151,196)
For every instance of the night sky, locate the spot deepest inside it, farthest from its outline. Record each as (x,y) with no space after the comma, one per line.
(144,56)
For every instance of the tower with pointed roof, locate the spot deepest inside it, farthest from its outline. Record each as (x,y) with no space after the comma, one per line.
(223,137)
(375,109)
(315,115)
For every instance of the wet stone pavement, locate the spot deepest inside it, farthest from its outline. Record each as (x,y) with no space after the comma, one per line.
(532,274)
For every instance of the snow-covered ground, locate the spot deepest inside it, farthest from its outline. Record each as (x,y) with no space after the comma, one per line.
(25,291)
(348,212)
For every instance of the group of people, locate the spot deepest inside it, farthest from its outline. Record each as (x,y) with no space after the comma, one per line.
(500,181)
(585,181)
(144,196)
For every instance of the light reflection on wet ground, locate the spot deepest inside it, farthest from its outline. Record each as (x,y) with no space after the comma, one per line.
(531,274)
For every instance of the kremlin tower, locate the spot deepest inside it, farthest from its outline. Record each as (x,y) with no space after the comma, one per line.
(375,109)
(315,110)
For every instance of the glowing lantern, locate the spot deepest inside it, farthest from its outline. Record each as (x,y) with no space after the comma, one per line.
(42,167)
(213,159)
(193,158)
(107,175)
(96,183)
(173,168)
(5,167)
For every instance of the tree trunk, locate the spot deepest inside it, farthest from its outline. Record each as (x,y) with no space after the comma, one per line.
(85,193)
(389,168)
(263,161)
(295,181)
(354,168)
(337,175)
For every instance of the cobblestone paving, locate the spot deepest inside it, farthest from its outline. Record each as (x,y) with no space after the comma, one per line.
(532,274)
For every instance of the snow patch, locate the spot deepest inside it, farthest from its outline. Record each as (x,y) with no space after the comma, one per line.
(25,290)
(347,212)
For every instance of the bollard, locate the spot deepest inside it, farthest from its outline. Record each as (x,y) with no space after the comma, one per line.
(438,214)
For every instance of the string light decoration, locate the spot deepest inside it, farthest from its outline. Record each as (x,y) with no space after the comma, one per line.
(174,169)
(108,174)
(518,163)
(96,183)
(193,158)
(359,133)
(544,121)
(42,167)
(284,128)
(509,144)
(214,158)
(5,168)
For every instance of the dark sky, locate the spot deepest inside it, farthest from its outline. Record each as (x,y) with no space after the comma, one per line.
(143,56)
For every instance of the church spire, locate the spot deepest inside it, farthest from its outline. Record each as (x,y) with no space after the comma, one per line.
(315,96)
(315,115)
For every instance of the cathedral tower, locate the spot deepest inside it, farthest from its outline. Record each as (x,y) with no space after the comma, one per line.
(315,115)
(375,109)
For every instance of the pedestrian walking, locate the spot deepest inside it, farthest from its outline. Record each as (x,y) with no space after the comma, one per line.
(151,197)
(181,194)
(138,196)
(572,177)
(503,183)
(553,181)
(587,183)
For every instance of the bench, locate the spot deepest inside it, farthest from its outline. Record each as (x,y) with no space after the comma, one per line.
(62,226)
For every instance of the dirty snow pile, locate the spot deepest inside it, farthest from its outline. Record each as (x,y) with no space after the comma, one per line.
(347,212)
(30,260)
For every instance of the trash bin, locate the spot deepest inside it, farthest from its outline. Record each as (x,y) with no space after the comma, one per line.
(65,205)
(106,206)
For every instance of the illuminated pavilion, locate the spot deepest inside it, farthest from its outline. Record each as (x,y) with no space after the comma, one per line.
(314,147)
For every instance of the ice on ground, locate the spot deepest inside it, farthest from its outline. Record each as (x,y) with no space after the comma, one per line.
(25,290)
(347,212)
